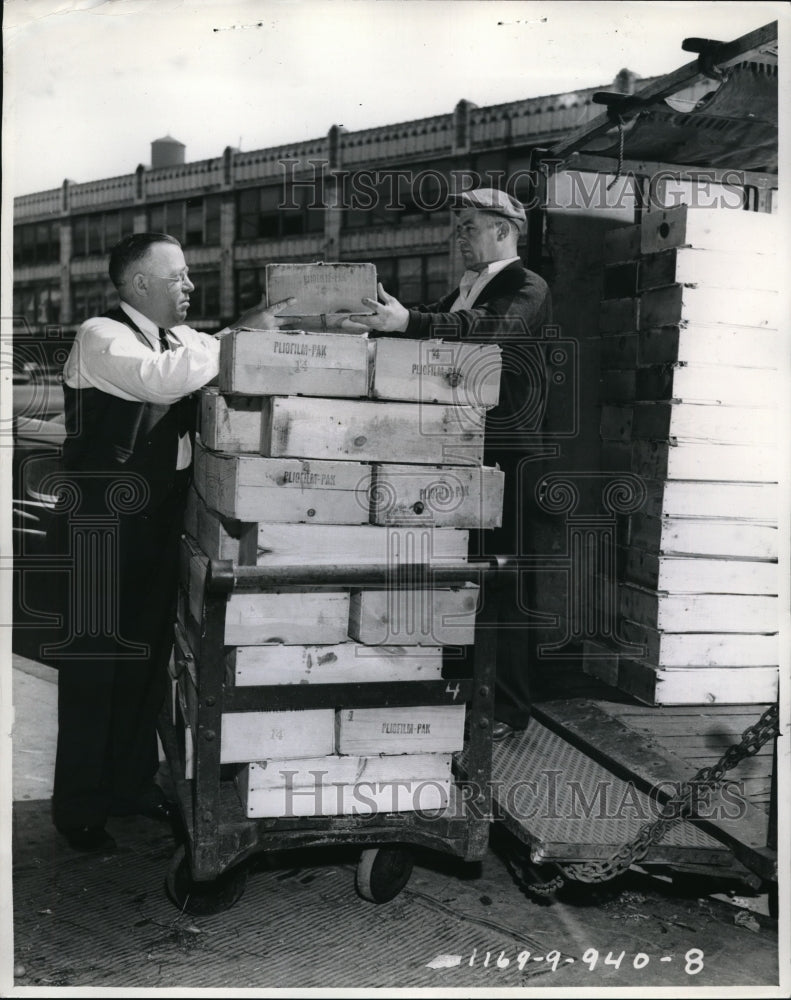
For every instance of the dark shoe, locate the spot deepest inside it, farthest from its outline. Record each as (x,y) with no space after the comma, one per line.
(153,803)
(90,839)
(501,731)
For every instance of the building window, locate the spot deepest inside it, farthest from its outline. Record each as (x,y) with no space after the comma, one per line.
(37,305)
(98,233)
(205,299)
(193,222)
(272,212)
(92,298)
(36,243)
(415,279)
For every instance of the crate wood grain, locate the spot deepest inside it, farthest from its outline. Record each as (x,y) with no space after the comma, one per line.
(712,424)
(470,497)
(346,662)
(693,460)
(441,617)
(368,431)
(703,537)
(279,544)
(436,371)
(252,488)
(691,575)
(708,686)
(289,616)
(683,304)
(422,729)
(230,423)
(744,613)
(754,502)
(739,347)
(354,785)
(709,229)
(265,362)
(320,288)
(708,269)
(701,649)
(719,384)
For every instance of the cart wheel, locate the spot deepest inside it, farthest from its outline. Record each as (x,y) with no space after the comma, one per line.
(203,898)
(382,872)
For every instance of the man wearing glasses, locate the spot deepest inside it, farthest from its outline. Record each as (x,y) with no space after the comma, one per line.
(127,455)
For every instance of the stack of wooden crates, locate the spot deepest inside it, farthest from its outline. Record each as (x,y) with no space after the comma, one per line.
(691,362)
(330,448)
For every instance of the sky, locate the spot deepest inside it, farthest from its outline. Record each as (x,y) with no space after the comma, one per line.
(90,83)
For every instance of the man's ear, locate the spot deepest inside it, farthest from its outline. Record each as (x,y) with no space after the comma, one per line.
(139,283)
(503,229)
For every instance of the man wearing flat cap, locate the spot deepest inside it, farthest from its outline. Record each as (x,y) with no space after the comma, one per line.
(498,300)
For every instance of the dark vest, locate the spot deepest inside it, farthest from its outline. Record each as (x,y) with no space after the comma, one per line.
(106,435)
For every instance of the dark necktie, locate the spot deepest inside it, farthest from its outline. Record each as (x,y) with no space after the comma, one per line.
(164,344)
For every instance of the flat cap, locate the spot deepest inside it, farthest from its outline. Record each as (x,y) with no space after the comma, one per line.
(497,202)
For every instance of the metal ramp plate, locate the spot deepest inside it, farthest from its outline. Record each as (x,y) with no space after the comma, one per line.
(566,807)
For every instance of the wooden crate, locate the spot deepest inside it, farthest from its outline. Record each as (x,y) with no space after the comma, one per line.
(346,662)
(701,649)
(279,544)
(441,617)
(621,244)
(230,423)
(695,460)
(703,537)
(671,612)
(420,729)
(357,785)
(265,362)
(437,371)
(698,686)
(709,268)
(713,424)
(619,315)
(735,346)
(681,304)
(753,502)
(321,289)
(367,431)
(445,497)
(689,575)
(709,229)
(252,488)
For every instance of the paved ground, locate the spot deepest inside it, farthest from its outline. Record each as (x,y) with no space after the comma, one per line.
(106,923)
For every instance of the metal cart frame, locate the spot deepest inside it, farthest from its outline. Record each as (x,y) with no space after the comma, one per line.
(219,836)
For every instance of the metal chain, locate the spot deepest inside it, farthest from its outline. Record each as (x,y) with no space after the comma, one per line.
(620,153)
(679,806)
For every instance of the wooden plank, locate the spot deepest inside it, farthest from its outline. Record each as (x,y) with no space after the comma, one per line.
(286,544)
(444,497)
(694,460)
(735,346)
(743,613)
(696,685)
(619,748)
(355,785)
(618,315)
(320,288)
(621,244)
(620,280)
(696,650)
(728,268)
(253,488)
(429,729)
(709,229)
(326,664)
(619,351)
(616,423)
(757,503)
(258,735)
(298,617)
(683,304)
(703,537)
(231,423)
(265,362)
(712,424)
(725,384)
(431,617)
(600,662)
(436,371)
(372,431)
(692,575)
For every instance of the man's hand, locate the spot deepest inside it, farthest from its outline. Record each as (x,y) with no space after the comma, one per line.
(389,315)
(264,317)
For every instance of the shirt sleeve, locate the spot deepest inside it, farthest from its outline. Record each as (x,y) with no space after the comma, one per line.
(108,356)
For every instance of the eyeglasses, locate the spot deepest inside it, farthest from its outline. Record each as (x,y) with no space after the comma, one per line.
(174,280)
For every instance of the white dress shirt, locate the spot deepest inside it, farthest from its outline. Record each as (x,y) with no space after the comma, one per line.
(107,355)
(473,282)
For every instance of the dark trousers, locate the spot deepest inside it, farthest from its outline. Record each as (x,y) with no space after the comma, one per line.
(108,702)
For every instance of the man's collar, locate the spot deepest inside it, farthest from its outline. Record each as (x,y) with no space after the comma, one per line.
(146,325)
(497,265)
